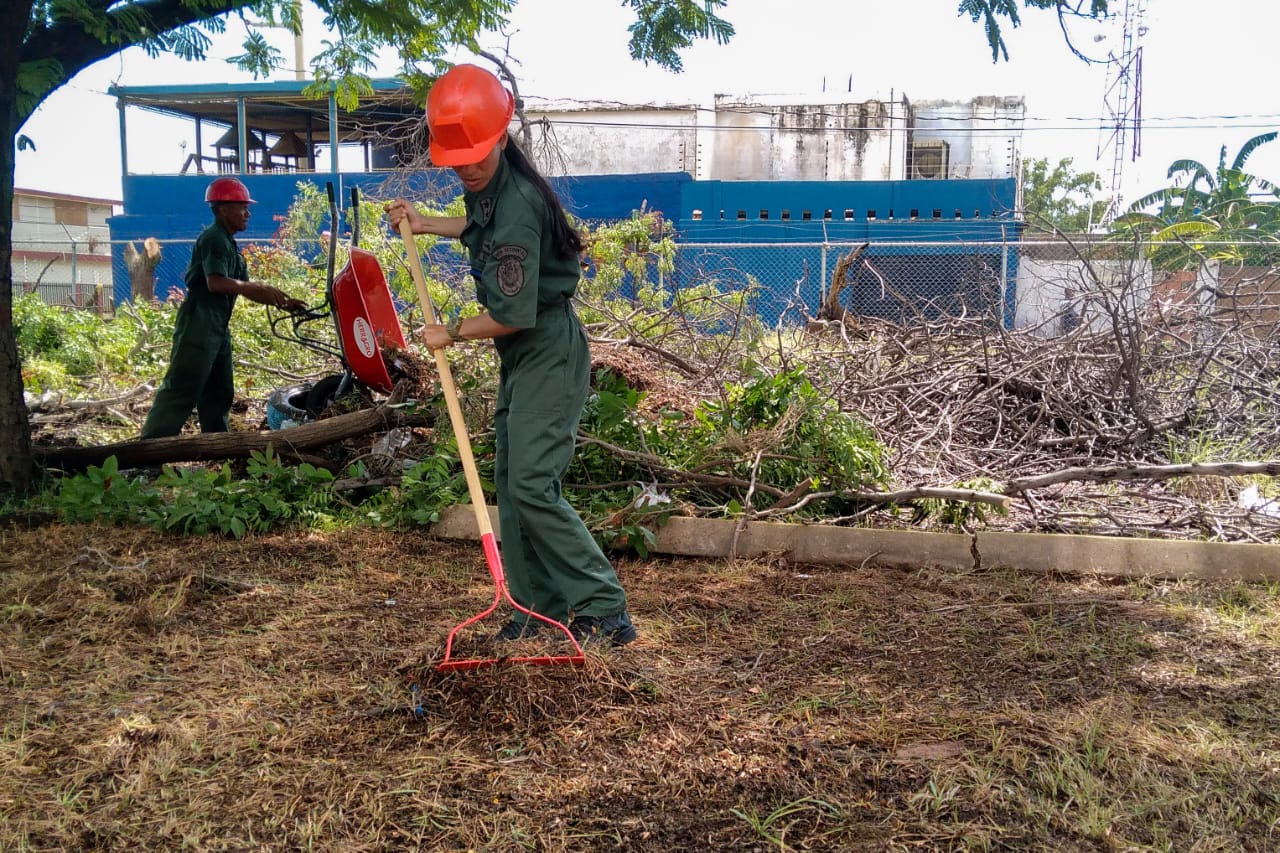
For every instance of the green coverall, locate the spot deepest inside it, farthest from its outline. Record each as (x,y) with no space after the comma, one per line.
(553,566)
(200,372)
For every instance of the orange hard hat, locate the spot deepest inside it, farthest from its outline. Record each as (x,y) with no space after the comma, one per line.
(468,110)
(227,189)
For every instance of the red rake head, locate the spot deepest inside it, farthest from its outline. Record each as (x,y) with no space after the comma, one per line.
(452,664)
(500,593)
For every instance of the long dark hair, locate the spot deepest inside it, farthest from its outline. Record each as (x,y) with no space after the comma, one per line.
(568,242)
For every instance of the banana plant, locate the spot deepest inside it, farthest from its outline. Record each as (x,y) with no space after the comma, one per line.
(1206,214)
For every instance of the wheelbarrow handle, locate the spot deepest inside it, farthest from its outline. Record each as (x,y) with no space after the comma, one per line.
(450,390)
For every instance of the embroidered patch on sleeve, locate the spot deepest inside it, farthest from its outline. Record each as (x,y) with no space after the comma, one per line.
(510,268)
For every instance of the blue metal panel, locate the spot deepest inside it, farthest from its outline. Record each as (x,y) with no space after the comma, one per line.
(605,197)
(842,201)
(749,231)
(600,197)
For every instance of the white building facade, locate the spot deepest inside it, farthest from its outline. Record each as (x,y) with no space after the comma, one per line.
(61,246)
(779,138)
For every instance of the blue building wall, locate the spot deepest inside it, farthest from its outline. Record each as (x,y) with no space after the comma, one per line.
(941,280)
(172,209)
(845,209)
(924,281)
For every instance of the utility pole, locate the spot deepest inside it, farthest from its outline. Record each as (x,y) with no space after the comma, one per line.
(299,66)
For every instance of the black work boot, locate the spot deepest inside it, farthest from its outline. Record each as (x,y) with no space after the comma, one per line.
(514,630)
(616,630)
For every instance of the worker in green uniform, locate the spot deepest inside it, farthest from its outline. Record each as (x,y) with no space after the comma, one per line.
(525,261)
(200,367)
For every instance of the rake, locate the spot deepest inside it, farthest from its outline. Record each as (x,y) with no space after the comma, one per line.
(492,557)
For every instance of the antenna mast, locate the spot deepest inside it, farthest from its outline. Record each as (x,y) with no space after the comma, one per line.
(1122,101)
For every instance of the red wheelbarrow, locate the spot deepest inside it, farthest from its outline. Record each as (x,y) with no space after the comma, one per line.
(364,315)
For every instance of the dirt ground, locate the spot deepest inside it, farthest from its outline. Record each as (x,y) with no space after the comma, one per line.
(279,693)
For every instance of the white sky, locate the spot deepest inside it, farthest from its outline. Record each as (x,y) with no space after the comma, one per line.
(1206,78)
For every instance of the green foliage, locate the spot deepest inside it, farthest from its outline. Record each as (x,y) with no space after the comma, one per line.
(203,501)
(803,438)
(308,218)
(63,347)
(441,259)
(665,27)
(59,344)
(432,485)
(1059,197)
(37,77)
(1207,214)
(800,436)
(773,827)
(961,515)
(66,36)
(200,501)
(57,334)
(639,249)
(260,57)
(103,494)
(637,256)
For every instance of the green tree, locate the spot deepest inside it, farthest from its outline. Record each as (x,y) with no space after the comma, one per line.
(1226,213)
(1060,198)
(44,43)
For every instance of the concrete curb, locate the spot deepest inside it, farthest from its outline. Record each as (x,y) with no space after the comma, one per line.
(1033,552)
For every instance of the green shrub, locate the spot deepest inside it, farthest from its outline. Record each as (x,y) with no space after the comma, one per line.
(103,494)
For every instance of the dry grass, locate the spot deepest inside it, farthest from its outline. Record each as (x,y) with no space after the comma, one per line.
(164,693)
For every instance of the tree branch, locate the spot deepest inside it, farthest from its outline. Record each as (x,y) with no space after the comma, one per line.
(70,44)
(1143,472)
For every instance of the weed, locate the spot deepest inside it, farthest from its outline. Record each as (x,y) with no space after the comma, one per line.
(773,827)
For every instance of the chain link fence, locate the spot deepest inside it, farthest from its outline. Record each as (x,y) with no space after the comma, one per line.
(1045,287)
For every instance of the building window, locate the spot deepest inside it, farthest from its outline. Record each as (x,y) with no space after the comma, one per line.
(70,213)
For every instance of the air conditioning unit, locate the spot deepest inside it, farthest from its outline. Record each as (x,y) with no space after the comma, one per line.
(929,158)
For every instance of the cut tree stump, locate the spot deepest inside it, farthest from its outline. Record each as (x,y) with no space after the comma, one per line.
(831,308)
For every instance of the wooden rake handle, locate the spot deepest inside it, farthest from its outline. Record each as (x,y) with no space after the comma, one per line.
(446,382)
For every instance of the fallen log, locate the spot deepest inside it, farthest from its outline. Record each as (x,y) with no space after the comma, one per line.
(292,443)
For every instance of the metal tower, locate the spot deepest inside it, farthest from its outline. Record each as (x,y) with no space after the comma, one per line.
(1122,101)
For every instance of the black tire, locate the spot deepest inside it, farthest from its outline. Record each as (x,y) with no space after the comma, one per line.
(288,404)
(323,393)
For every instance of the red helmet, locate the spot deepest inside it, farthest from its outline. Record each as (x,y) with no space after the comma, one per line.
(227,189)
(468,110)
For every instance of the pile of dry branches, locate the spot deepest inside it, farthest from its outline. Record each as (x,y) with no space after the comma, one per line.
(1135,415)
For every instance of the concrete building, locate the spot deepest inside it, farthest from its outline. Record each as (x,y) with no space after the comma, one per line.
(61,248)
(782,138)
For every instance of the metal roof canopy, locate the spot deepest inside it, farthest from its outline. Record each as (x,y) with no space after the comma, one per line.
(276,108)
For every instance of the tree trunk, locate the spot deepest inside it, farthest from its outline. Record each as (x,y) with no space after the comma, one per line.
(289,443)
(16,463)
